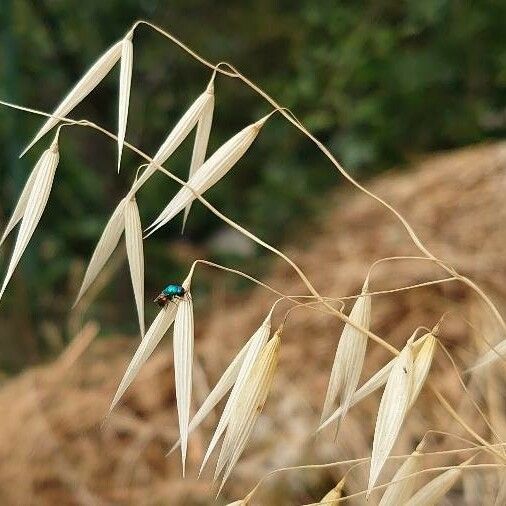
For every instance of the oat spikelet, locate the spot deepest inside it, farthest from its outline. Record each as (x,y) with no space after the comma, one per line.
(154,334)
(183,366)
(213,169)
(400,492)
(125,80)
(178,134)
(349,358)
(249,406)
(104,248)
(332,496)
(221,388)
(135,253)
(392,411)
(436,489)
(496,354)
(87,83)
(257,343)
(200,146)
(35,205)
(19,210)
(380,377)
(371,385)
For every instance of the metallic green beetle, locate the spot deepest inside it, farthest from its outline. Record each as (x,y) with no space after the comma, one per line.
(169,293)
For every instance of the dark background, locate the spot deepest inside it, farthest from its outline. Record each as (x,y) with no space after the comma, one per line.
(380,82)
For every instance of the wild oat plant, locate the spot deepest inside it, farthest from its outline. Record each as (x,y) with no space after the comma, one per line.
(248,378)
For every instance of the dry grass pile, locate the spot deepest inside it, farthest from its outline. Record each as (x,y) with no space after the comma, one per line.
(53,449)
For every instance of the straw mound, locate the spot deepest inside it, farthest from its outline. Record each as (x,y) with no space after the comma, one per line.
(53,450)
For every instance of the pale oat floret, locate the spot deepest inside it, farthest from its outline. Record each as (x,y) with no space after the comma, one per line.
(81,90)
(135,254)
(35,205)
(125,81)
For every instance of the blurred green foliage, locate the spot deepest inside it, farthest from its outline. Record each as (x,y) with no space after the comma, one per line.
(377,81)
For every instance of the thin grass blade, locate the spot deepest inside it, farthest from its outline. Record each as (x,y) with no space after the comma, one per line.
(392,411)
(200,146)
(104,248)
(125,80)
(257,343)
(135,253)
(35,206)
(213,169)
(81,90)
(153,336)
(183,366)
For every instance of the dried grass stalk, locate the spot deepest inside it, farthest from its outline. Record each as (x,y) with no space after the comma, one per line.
(153,336)
(249,406)
(257,343)
(332,496)
(392,411)
(135,253)
(221,388)
(104,248)
(213,169)
(183,367)
(35,205)
(349,358)
(398,493)
(200,146)
(85,86)
(125,80)
(178,134)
